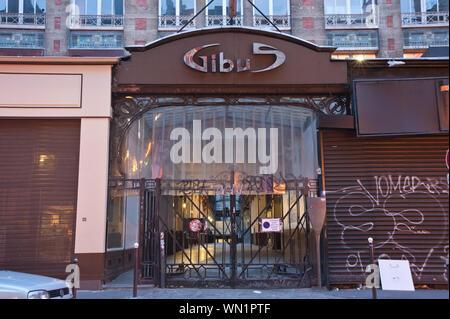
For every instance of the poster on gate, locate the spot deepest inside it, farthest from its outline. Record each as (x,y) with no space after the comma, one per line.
(271,225)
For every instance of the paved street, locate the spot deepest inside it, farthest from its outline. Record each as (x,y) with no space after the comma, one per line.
(306,293)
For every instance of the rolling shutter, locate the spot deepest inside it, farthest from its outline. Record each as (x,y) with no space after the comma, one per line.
(393,189)
(38,194)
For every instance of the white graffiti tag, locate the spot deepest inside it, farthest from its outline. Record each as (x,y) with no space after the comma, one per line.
(382,207)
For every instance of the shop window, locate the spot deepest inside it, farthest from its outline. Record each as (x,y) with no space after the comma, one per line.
(176,13)
(97,13)
(278,11)
(351,13)
(217,13)
(115,229)
(123,219)
(22,12)
(151,148)
(424,12)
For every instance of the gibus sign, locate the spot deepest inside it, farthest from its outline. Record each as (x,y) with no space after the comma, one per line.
(218,63)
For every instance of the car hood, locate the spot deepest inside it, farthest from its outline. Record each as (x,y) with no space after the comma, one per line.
(28,282)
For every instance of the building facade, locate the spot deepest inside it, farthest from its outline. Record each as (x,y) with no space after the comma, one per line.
(358,28)
(233,156)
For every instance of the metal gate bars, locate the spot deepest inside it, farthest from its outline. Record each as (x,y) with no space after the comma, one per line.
(209,239)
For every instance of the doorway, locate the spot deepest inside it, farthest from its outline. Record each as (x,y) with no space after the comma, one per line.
(233,240)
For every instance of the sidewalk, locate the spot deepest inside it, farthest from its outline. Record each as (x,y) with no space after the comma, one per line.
(306,293)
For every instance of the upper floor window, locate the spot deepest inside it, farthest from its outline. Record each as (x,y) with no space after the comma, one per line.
(99,7)
(277,11)
(424,12)
(22,12)
(349,6)
(97,13)
(175,13)
(409,6)
(218,13)
(350,13)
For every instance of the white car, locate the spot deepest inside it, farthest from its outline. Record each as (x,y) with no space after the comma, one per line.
(17,285)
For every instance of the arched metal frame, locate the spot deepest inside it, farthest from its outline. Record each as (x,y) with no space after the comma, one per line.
(127,109)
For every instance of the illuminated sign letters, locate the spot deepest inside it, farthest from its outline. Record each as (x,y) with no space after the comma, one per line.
(218,63)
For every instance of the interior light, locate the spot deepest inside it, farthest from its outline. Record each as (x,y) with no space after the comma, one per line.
(444,88)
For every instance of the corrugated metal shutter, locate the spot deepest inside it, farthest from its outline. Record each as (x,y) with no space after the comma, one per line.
(393,189)
(38,193)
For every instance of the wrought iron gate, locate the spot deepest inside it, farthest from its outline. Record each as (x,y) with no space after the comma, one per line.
(192,236)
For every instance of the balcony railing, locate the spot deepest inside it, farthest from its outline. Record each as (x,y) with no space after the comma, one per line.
(425,18)
(281,21)
(96,21)
(214,20)
(424,44)
(336,21)
(22,19)
(175,22)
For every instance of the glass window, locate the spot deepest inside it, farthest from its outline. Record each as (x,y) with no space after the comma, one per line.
(107,8)
(91,7)
(280,8)
(28,6)
(118,7)
(216,8)
(186,7)
(221,7)
(177,7)
(115,223)
(40,6)
(81,6)
(349,6)
(99,7)
(238,7)
(2,5)
(151,148)
(272,7)
(356,7)
(131,219)
(168,7)
(13,6)
(341,6)
(431,5)
(410,6)
(443,5)
(263,5)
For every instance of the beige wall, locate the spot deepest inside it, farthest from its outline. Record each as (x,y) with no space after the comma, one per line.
(90,232)
(90,99)
(55,90)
